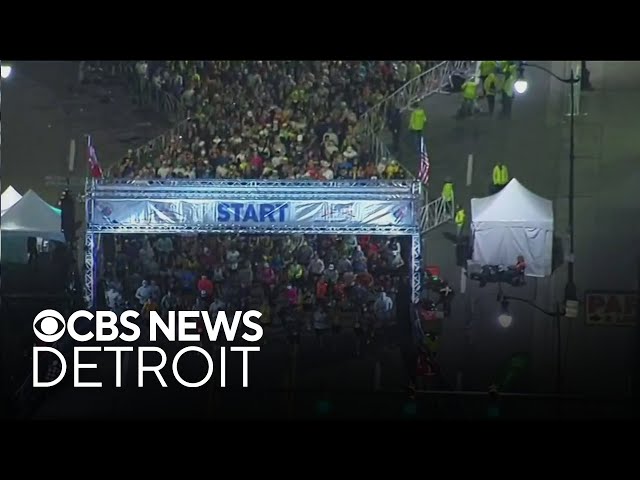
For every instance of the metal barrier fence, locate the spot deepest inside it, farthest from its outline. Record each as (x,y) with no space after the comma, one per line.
(427,83)
(154,147)
(436,213)
(147,93)
(373,122)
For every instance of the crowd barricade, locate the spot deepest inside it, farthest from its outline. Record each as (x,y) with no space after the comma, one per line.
(146,93)
(436,212)
(432,81)
(155,146)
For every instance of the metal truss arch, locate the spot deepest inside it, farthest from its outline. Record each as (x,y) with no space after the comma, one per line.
(342,207)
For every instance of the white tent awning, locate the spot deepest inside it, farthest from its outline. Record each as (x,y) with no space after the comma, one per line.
(32,217)
(9,198)
(513,222)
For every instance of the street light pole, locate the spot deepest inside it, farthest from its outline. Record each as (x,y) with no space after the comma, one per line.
(557,315)
(570,288)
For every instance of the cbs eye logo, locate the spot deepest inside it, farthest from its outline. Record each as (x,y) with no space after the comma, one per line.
(49,326)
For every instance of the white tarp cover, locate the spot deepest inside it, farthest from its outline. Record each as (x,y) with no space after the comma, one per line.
(32,217)
(9,198)
(513,222)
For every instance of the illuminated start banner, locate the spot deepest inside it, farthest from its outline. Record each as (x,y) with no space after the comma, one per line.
(126,212)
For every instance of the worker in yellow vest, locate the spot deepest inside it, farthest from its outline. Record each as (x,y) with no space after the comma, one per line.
(469,96)
(460,219)
(508,92)
(490,88)
(500,176)
(417,122)
(447,191)
(487,67)
(503,66)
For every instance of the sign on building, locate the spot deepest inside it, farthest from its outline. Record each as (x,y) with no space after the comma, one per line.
(611,308)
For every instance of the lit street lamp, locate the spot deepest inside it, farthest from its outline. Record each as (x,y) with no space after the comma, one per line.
(5,71)
(520,86)
(505,318)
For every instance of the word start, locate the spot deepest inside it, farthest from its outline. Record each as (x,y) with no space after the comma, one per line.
(248,212)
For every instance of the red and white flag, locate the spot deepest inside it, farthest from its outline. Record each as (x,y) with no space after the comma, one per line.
(94,165)
(425,166)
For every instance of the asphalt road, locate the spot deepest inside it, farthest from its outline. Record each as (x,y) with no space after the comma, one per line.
(534,145)
(44,108)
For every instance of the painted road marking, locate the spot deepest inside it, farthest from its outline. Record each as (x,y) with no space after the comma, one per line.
(72,155)
(469,169)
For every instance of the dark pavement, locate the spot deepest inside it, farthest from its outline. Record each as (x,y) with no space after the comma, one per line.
(534,145)
(44,108)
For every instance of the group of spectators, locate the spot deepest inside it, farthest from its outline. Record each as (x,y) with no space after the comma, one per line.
(270,119)
(297,282)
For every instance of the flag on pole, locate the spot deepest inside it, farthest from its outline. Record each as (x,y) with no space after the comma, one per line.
(425,166)
(94,165)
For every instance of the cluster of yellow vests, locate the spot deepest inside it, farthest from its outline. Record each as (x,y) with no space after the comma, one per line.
(500,76)
(500,178)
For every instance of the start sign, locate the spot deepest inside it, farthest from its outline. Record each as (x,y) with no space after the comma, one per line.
(611,308)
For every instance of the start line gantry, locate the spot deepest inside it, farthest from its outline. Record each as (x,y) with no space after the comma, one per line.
(338,207)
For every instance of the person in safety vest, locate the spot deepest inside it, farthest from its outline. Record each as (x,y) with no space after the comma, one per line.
(487,67)
(507,92)
(460,219)
(500,177)
(490,88)
(447,191)
(417,121)
(503,66)
(295,273)
(469,96)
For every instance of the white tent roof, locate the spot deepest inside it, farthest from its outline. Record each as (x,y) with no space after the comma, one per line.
(31,216)
(9,198)
(514,205)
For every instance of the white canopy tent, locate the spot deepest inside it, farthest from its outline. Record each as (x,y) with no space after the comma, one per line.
(32,217)
(9,198)
(513,222)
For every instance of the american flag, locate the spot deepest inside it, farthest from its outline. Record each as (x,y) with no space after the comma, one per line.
(94,165)
(425,166)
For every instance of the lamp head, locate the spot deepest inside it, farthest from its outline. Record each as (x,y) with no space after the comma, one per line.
(5,71)
(521,84)
(505,318)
